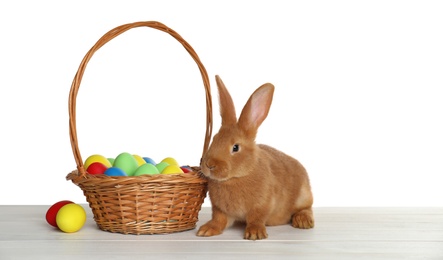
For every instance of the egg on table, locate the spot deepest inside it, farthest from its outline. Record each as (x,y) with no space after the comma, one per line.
(53,210)
(71,218)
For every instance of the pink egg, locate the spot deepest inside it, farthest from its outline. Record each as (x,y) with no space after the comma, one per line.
(96,168)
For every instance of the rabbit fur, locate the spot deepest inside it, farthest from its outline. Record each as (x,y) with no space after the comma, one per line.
(248,182)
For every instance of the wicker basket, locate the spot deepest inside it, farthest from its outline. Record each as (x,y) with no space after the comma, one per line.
(147,204)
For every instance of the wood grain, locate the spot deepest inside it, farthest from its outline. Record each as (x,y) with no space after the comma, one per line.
(340,233)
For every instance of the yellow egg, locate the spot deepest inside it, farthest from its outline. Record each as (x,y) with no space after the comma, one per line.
(170,161)
(161,166)
(71,218)
(97,158)
(172,169)
(139,159)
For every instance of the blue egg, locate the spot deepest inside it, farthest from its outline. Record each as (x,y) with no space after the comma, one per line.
(114,171)
(149,160)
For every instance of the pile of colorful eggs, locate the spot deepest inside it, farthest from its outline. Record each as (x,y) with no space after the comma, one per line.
(126,164)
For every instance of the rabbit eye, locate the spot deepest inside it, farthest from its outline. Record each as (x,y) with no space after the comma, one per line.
(235,148)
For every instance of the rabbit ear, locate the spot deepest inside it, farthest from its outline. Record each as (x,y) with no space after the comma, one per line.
(227,109)
(256,109)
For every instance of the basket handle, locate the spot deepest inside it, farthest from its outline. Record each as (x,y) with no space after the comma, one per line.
(102,41)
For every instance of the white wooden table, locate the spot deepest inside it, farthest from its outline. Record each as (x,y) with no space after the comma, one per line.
(340,233)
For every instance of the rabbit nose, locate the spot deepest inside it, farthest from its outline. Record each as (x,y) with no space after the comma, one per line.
(210,167)
(210,164)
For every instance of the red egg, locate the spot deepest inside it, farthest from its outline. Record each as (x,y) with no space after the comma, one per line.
(51,214)
(96,168)
(186,169)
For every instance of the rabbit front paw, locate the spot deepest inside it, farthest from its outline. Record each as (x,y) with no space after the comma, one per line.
(255,232)
(208,230)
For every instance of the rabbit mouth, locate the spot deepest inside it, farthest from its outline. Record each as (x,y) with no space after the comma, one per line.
(217,179)
(214,175)
(215,169)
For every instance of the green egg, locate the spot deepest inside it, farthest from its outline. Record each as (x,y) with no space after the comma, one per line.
(161,165)
(146,168)
(111,160)
(126,162)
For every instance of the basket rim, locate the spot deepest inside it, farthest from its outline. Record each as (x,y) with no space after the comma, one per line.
(111,34)
(95,180)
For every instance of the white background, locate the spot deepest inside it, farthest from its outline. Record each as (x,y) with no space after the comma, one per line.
(358,90)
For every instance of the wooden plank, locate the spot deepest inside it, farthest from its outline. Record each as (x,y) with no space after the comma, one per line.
(340,233)
(217,249)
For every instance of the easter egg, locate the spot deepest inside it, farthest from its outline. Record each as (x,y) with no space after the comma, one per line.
(161,165)
(114,171)
(170,161)
(172,169)
(126,162)
(96,158)
(96,168)
(146,168)
(149,160)
(71,218)
(53,210)
(186,169)
(139,159)
(111,160)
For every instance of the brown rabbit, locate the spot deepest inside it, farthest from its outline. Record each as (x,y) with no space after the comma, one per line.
(252,183)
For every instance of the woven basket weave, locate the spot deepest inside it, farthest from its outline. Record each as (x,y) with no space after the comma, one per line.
(147,204)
